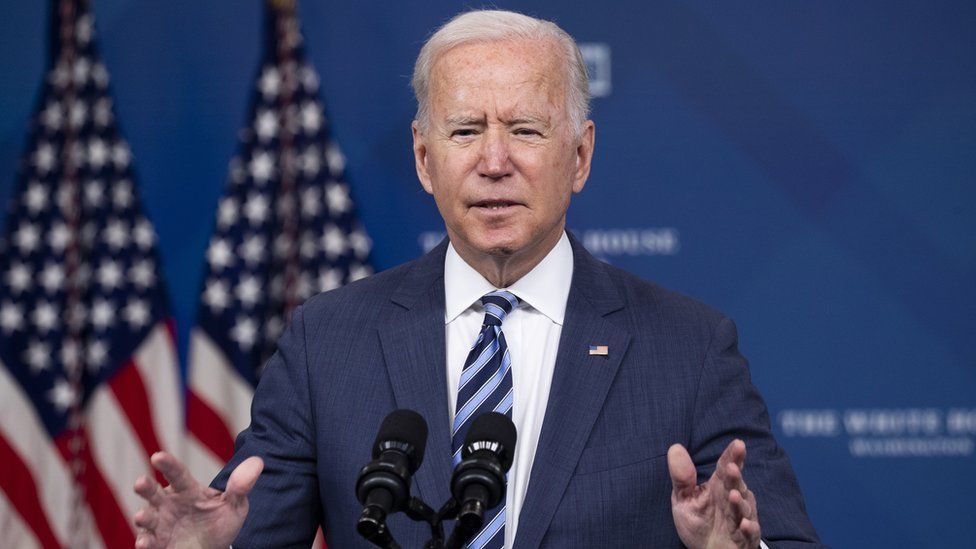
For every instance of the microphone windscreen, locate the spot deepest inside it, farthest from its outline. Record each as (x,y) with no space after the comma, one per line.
(494,427)
(404,426)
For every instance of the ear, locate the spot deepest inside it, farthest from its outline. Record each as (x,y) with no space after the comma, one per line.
(584,155)
(420,157)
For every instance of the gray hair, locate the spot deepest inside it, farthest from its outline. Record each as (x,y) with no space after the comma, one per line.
(495,25)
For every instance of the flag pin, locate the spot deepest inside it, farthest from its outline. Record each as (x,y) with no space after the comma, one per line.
(599,350)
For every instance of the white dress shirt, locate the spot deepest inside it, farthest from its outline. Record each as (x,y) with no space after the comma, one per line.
(532,333)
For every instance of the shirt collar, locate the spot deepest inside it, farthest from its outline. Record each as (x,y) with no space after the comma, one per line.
(544,288)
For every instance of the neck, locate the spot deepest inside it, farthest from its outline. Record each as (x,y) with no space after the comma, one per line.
(502,268)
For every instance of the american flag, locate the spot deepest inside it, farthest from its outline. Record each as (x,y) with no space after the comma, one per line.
(89,378)
(286,228)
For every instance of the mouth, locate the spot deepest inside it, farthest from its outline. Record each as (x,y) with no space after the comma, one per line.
(494,205)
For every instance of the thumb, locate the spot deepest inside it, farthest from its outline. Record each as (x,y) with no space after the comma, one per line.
(683,474)
(243,478)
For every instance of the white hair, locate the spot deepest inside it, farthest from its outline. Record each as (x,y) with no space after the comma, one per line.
(497,25)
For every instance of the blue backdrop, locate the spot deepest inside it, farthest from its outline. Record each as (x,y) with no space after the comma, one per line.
(807,167)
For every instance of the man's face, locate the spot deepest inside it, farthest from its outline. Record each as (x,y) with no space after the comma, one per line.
(499,155)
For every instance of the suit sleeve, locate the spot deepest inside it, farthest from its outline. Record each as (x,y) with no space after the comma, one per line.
(285,509)
(728,406)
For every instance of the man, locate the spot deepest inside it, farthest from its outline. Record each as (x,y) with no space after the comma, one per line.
(619,368)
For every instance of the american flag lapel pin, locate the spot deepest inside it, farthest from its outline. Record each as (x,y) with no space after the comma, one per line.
(599,350)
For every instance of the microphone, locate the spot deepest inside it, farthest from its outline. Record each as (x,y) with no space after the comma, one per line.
(383,486)
(478,483)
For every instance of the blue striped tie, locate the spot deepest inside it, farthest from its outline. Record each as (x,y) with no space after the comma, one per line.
(486,386)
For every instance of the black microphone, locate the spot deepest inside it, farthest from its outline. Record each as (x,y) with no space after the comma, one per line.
(383,486)
(478,483)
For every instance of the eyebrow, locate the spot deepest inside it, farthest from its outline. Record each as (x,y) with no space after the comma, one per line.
(526,120)
(465,120)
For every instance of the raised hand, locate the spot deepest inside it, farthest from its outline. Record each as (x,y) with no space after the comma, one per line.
(186,514)
(720,513)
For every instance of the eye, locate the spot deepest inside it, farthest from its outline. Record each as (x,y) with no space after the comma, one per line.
(527,132)
(463,132)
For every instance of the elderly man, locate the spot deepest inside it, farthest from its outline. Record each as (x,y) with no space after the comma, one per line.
(617,386)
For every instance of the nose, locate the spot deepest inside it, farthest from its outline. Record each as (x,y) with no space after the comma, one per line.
(495,162)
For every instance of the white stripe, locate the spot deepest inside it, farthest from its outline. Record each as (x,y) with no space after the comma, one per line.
(22,428)
(159,369)
(115,448)
(215,382)
(13,531)
(201,462)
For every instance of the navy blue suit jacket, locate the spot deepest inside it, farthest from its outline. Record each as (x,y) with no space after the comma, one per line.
(600,476)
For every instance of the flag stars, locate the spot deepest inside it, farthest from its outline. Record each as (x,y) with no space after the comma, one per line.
(359,271)
(256,209)
(311,117)
(45,316)
(116,234)
(100,75)
(78,114)
(266,125)
(136,313)
(227,212)
(102,113)
(261,167)
(335,158)
(36,197)
(122,196)
(37,356)
(58,236)
(70,354)
(310,80)
(337,196)
(102,314)
(216,295)
(121,155)
(81,70)
(18,278)
(143,234)
(27,237)
(142,274)
(52,117)
(94,193)
(248,291)
(244,332)
(253,249)
(44,157)
(109,275)
(311,161)
(52,277)
(270,82)
(219,255)
(96,355)
(62,395)
(329,279)
(98,153)
(360,243)
(333,241)
(311,202)
(11,317)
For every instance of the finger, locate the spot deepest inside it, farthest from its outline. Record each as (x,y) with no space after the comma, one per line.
(243,478)
(740,507)
(684,477)
(145,518)
(146,540)
(735,453)
(751,531)
(149,490)
(174,471)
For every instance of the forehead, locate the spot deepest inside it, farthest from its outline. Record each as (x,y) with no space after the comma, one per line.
(506,74)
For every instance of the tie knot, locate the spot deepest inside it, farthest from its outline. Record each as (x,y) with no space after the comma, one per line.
(497,306)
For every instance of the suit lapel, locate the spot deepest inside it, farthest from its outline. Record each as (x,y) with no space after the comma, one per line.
(579,388)
(412,337)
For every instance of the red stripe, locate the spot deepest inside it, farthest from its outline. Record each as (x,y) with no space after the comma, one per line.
(17,482)
(130,391)
(111,521)
(205,424)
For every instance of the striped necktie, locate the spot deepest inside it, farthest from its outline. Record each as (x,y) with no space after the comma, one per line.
(486,386)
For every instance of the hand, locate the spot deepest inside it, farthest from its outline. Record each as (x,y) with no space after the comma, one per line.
(188,515)
(720,513)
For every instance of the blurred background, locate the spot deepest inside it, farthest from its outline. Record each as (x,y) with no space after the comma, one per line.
(809,168)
